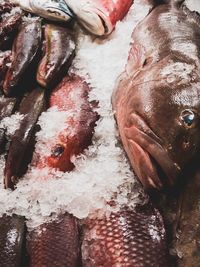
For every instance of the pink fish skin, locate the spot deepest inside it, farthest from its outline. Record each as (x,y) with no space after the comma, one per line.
(126,238)
(71,95)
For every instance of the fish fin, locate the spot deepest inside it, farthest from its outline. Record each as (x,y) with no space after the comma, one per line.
(136,60)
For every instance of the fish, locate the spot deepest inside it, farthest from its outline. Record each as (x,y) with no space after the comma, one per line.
(56,10)
(99,17)
(5,60)
(156,100)
(129,237)
(70,96)
(187,238)
(24,52)
(55,243)
(12,240)
(9,26)
(59,53)
(7,107)
(23,141)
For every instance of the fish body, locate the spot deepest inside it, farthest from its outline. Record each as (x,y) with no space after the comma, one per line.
(59,53)
(156,99)
(22,142)
(25,49)
(56,243)
(70,96)
(8,28)
(51,9)
(12,237)
(126,238)
(99,16)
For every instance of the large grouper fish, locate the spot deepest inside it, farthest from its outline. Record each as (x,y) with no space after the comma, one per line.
(157,98)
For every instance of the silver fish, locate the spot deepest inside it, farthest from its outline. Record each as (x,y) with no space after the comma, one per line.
(56,10)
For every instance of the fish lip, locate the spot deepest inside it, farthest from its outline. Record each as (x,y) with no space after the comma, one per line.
(141,134)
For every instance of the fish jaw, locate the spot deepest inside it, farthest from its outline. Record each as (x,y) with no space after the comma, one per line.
(52,10)
(99,17)
(148,157)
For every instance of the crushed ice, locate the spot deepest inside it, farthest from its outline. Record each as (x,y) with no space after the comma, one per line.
(102,174)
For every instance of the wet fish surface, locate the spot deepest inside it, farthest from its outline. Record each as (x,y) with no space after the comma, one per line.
(59,53)
(23,141)
(70,96)
(55,243)
(157,98)
(130,237)
(12,231)
(25,48)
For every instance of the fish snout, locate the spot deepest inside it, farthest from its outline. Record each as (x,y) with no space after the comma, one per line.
(149,158)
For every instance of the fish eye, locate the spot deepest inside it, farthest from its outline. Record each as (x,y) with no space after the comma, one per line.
(57,151)
(188,118)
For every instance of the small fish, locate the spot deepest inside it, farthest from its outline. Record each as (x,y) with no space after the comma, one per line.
(25,49)
(56,243)
(59,53)
(130,237)
(50,9)
(22,143)
(157,99)
(12,238)
(99,16)
(70,96)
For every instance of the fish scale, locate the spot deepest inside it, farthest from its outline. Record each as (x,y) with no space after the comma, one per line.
(126,238)
(55,244)
(11,240)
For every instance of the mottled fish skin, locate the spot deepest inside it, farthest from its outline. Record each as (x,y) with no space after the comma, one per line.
(23,141)
(7,108)
(5,59)
(5,6)
(71,95)
(12,237)
(59,53)
(157,98)
(8,28)
(49,9)
(24,51)
(99,16)
(55,243)
(130,237)
(187,241)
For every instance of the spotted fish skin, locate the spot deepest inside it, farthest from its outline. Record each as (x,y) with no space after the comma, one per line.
(126,238)
(55,244)
(12,230)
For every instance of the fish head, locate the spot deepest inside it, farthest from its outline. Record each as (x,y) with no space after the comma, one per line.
(161,127)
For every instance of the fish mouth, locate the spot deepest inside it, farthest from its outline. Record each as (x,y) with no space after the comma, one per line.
(150,160)
(92,18)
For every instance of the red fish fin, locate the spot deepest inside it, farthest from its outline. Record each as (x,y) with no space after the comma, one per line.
(136,59)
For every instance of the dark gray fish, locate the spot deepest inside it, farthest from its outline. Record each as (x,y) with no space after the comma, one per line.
(59,53)
(12,237)
(56,243)
(25,49)
(8,28)
(23,141)
(157,99)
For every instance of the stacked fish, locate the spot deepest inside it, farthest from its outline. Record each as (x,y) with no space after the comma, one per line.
(35,59)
